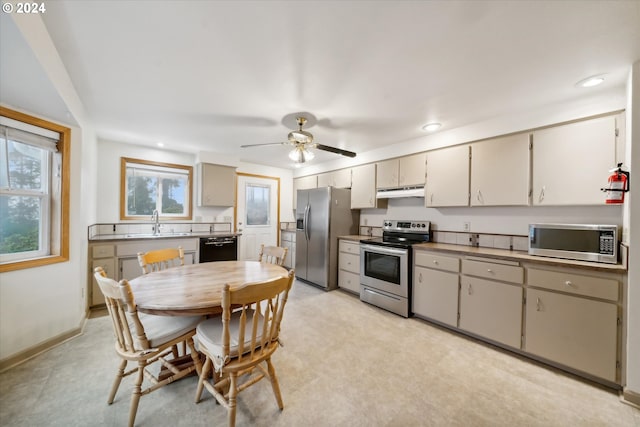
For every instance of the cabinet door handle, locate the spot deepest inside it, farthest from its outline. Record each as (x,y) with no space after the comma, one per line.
(568,283)
(420,278)
(541,196)
(537,304)
(469,291)
(489,270)
(431,199)
(479,196)
(435,262)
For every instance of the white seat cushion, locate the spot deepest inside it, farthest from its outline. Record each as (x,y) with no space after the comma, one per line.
(162,329)
(209,333)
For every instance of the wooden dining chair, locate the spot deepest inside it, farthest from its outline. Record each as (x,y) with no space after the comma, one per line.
(160,259)
(272,254)
(145,339)
(243,341)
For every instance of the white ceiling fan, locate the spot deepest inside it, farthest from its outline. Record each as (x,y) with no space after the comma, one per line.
(301,140)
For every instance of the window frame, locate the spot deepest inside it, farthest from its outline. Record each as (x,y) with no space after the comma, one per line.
(124,161)
(57,233)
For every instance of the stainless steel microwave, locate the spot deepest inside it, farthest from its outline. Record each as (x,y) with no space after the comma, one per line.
(575,241)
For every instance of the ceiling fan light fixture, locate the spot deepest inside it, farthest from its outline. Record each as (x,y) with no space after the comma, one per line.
(431,127)
(300,154)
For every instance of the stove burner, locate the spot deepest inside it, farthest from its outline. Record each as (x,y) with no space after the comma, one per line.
(401,234)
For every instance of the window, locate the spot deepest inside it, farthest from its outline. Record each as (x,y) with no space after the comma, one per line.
(34,191)
(149,186)
(257,204)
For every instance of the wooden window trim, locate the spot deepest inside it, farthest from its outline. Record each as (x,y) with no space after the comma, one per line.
(123,186)
(61,246)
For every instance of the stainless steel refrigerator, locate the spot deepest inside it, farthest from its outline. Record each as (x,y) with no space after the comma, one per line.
(322,214)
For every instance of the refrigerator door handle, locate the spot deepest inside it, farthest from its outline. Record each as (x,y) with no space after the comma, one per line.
(307,209)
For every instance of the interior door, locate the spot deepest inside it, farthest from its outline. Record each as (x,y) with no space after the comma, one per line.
(257,213)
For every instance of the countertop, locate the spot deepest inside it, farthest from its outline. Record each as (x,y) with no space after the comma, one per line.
(518,256)
(144,236)
(506,255)
(355,237)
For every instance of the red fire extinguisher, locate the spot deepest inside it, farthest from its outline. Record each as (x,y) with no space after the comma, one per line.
(618,185)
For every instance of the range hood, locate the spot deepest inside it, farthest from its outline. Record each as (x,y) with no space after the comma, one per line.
(396,193)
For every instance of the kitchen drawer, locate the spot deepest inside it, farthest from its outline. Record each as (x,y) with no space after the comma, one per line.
(348,280)
(578,284)
(349,262)
(439,262)
(103,251)
(492,270)
(349,247)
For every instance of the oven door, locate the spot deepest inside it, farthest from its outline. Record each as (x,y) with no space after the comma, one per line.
(385,269)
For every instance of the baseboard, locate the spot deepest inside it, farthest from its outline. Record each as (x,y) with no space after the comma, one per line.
(631,397)
(32,352)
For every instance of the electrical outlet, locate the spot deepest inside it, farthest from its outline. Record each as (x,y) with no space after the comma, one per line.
(466,226)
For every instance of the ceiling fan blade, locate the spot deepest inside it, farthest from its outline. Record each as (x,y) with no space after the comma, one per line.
(268,143)
(336,150)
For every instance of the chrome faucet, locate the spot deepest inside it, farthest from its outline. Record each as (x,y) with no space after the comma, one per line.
(156,216)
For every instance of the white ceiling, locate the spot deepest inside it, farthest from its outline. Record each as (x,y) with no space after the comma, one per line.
(213,75)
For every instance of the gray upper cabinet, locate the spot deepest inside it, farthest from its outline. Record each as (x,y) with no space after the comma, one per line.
(217,185)
(303,183)
(571,162)
(363,188)
(406,171)
(500,171)
(447,177)
(340,179)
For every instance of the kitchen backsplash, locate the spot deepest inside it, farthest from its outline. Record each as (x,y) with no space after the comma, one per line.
(484,240)
(498,241)
(166,227)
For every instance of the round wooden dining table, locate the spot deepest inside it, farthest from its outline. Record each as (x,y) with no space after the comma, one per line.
(196,288)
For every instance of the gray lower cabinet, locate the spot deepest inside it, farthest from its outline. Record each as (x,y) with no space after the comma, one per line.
(349,266)
(129,268)
(491,309)
(288,240)
(491,299)
(572,319)
(574,331)
(435,287)
(119,259)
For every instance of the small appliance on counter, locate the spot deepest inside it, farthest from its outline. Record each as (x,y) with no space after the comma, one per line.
(385,265)
(583,242)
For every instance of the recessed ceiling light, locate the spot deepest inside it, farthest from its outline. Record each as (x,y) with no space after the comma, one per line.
(160,144)
(591,81)
(430,127)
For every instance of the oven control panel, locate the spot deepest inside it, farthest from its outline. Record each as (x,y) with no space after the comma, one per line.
(406,226)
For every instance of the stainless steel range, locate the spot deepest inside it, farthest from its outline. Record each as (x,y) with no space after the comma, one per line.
(385,265)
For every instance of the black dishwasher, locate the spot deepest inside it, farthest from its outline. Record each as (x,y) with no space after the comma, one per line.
(221,248)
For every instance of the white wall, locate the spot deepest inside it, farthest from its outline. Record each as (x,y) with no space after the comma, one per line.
(39,304)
